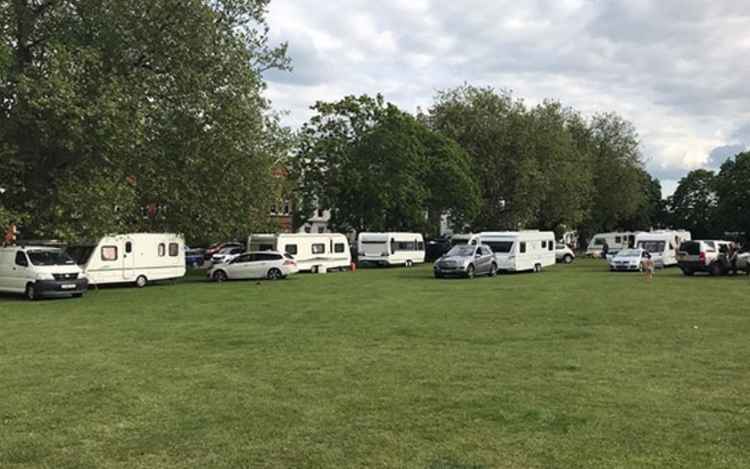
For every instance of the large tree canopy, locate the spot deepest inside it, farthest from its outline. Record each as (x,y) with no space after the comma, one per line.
(733,193)
(136,114)
(378,168)
(693,204)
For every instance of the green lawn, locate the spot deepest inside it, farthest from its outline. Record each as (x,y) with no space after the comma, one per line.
(576,367)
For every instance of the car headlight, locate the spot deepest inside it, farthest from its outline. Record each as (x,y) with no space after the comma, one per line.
(44,276)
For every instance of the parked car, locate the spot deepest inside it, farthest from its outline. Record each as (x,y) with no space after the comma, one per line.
(702,256)
(215,248)
(194,257)
(743,262)
(436,248)
(564,254)
(628,260)
(226,254)
(40,272)
(466,261)
(270,265)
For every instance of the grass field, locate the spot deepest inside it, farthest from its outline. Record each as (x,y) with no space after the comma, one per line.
(575,367)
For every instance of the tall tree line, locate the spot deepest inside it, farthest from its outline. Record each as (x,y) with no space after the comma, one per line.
(496,163)
(124,115)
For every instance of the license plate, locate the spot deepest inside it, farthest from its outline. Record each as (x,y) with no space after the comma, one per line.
(69,286)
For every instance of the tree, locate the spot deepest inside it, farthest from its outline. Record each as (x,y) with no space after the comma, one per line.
(694,203)
(377,168)
(162,92)
(733,193)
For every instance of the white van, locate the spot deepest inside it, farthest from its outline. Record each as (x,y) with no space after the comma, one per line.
(136,258)
(662,245)
(38,271)
(391,248)
(519,251)
(313,252)
(615,241)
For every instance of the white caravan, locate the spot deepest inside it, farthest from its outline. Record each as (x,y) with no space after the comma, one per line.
(136,257)
(662,245)
(391,248)
(519,251)
(40,272)
(614,241)
(313,252)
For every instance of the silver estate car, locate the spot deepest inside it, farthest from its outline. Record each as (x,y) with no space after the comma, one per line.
(466,261)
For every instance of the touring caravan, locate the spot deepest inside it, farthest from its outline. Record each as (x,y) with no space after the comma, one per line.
(614,241)
(662,245)
(313,252)
(391,248)
(139,258)
(519,251)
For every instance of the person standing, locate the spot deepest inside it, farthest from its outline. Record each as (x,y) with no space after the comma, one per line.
(605,250)
(648,266)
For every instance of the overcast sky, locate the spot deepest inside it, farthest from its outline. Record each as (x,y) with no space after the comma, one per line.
(678,69)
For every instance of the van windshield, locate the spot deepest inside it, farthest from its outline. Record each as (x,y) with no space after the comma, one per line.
(50,257)
(80,254)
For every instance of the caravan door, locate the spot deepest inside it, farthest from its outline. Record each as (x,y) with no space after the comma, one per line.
(128,260)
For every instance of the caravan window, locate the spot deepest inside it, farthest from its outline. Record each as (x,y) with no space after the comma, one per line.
(544,244)
(174,249)
(339,247)
(523,247)
(654,247)
(598,241)
(109,253)
(420,245)
(318,248)
(162,250)
(500,247)
(551,245)
(128,247)
(618,239)
(291,249)
(405,246)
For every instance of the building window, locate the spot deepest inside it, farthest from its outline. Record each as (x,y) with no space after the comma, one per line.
(319,248)
(174,249)
(523,247)
(291,249)
(162,250)
(109,253)
(339,247)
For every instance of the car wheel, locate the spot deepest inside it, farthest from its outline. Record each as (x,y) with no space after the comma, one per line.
(31,292)
(470,272)
(274,274)
(219,276)
(493,270)
(141,281)
(568,259)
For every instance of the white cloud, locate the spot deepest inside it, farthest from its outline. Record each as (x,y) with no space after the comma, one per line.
(676,68)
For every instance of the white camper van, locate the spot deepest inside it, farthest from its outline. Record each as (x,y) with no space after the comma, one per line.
(38,271)
(615,242)
(391,248)
(313,252)
(136,257)
(519,251)
(662,245)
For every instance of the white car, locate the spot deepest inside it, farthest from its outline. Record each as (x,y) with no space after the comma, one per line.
(270,265)
(627,260)
(564,254)
(226,254)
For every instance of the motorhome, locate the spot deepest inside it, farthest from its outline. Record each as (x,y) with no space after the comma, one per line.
(313,252)
(662,245)
(137,258)
(614,241)
(391,249)
(40,271)
(519,251)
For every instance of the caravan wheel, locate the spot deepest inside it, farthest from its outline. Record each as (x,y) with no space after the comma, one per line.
(141,281)
(409,263)
(537,268)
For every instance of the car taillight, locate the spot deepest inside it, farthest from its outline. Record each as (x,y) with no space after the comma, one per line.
(702,257)
(290,263)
